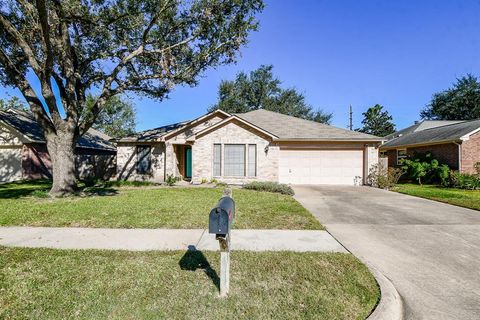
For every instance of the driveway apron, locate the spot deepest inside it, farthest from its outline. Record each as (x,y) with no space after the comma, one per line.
(429,250)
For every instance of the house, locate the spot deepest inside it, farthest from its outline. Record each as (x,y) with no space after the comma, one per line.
(454,143)
(24,154)
(239,148)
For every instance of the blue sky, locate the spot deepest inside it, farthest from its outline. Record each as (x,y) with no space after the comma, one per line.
(342,52)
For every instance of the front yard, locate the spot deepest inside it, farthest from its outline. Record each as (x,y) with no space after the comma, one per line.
(459,197)
(61,284)
(147,207)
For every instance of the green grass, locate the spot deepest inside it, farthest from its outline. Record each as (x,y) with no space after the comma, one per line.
(459,197)
(147,207)
(61,284)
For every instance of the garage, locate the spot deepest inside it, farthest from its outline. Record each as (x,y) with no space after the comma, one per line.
(344,167)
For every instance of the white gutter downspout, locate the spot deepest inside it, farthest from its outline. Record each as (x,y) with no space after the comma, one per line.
(459,156)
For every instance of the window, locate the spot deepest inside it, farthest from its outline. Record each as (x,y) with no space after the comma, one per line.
(217,160)
(252,160)
(234,160)
(401,154)
(144,160)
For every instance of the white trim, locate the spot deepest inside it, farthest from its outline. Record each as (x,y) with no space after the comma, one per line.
(193,122)
(465,137)
(403,157)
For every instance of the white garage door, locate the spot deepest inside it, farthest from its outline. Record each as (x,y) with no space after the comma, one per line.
(321,166)
(11,164)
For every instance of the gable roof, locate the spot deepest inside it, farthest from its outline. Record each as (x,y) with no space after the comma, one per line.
(227,120)
(163,132)
(291,128)
(24,123)
(422,125)
(445,133)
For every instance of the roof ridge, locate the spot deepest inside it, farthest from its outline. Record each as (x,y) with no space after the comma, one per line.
(448,125)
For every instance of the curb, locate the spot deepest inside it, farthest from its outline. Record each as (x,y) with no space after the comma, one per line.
(390,305)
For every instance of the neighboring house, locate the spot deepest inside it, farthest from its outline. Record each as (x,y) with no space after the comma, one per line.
(454,143)
(24,155)
(238,148)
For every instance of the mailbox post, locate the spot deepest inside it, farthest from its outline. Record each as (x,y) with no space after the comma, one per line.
(220,223)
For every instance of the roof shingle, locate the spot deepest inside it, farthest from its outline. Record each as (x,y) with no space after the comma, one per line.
(25,123)
(291,128)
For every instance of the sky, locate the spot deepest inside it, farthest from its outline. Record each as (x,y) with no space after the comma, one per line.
(345,52)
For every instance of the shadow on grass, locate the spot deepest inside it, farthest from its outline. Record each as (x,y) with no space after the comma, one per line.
(40,189)
(194,259)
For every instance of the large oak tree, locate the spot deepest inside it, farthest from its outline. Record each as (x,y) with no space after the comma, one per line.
(109,47)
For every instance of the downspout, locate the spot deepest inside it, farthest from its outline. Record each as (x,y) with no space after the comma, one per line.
(459,156)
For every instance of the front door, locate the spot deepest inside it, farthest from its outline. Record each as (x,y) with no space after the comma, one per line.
(188,163)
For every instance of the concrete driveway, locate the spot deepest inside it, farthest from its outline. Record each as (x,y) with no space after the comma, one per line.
(429,250)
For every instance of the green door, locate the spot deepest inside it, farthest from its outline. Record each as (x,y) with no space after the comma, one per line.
(188,163)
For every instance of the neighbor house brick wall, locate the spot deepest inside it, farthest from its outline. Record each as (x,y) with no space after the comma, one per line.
(446,153)
(127,160)
(234,133)
(36,161)
(470,153)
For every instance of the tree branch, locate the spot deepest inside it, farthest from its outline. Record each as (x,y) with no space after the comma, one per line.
(21,82)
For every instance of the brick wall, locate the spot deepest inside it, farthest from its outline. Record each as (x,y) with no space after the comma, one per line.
(234,133)
(127,161)
(471,153)
(445,153)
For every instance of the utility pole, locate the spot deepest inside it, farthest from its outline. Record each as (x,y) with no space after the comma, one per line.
(350,124)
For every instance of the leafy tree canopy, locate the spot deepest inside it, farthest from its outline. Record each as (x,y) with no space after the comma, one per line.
(377,122)
(262,90)
(118,117)
(460,102)
(12,103)
(110,47)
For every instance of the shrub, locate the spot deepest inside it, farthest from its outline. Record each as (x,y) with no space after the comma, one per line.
(204,181)
(477,168)
(270,187)
(382,177)
(422,167)
(464,180)
(171,180)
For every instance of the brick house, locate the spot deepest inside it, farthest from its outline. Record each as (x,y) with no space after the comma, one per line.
(24,154)
(454,143)
(238,148)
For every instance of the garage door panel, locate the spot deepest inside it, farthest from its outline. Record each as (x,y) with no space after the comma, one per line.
(320,166)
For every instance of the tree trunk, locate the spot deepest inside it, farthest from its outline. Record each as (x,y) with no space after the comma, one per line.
(61,147)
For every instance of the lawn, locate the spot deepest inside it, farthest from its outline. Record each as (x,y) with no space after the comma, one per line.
(459,197)
(147,207)
(63,284)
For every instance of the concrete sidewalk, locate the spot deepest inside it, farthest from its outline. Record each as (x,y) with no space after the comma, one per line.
(166,239)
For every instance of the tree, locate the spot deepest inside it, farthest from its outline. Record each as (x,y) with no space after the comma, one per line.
(377,122)
(262,90)
(12,103)
(117,119)
(460,102)
(110,46)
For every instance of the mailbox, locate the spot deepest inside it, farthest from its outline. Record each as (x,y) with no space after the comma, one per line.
(221,217)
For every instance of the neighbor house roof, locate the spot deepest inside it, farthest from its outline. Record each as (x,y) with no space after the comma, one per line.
(25,124)
(291,128)
(446,133)
(422,125)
